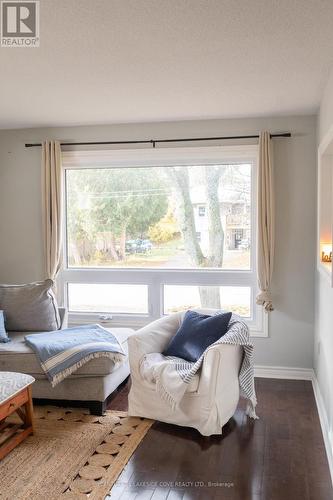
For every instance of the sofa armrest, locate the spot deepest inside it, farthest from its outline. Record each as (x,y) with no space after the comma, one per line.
(63,314)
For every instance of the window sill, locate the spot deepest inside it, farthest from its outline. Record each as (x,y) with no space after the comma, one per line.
(137,322)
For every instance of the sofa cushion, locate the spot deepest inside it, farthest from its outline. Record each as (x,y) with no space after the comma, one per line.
(17,356)
(30,308)
(196,333)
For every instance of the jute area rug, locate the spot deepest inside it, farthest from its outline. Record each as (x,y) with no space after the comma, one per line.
(71,455)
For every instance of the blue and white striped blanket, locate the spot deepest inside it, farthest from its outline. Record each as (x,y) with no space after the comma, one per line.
(62,352)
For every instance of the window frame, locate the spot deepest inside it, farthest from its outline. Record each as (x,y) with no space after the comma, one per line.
(201,211)
(156,278)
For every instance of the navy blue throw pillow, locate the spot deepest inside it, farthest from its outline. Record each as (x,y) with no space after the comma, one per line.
(196,333)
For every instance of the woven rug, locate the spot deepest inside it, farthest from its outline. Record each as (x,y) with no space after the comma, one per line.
(71,455)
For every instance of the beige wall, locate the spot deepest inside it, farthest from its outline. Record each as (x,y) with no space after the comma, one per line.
(291,324)
(323,341)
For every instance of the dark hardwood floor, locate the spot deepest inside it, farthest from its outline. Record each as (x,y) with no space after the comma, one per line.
(279,457)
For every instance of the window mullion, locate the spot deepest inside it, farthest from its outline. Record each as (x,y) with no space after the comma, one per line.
(154,299)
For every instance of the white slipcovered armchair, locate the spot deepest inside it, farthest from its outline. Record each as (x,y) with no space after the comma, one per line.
(212,395)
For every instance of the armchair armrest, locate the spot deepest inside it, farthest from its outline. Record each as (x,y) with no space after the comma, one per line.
(220,368)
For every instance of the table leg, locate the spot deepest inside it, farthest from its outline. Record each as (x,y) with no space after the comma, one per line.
(29,410)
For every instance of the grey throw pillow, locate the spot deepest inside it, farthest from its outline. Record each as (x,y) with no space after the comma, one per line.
(30,308)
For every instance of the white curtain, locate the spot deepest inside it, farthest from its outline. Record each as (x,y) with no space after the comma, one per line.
(52,206)
(265,221)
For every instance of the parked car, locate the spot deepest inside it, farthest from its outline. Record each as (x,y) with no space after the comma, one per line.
(145,246)
(138,246)
(130,246)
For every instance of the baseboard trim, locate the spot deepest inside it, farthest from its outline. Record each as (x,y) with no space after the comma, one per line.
(327,434)
(283,372)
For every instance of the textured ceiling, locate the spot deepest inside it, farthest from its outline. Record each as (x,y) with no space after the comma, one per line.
(109,61)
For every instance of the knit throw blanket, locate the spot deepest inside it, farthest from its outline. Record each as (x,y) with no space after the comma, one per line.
(62,352)
(172,375)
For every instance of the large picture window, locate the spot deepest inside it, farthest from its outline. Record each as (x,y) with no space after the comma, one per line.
(153,232)
(152,217)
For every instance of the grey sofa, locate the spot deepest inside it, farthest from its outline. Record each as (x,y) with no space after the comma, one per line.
(90,386)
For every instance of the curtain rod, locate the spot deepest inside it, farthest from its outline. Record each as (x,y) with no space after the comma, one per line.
(156,141)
